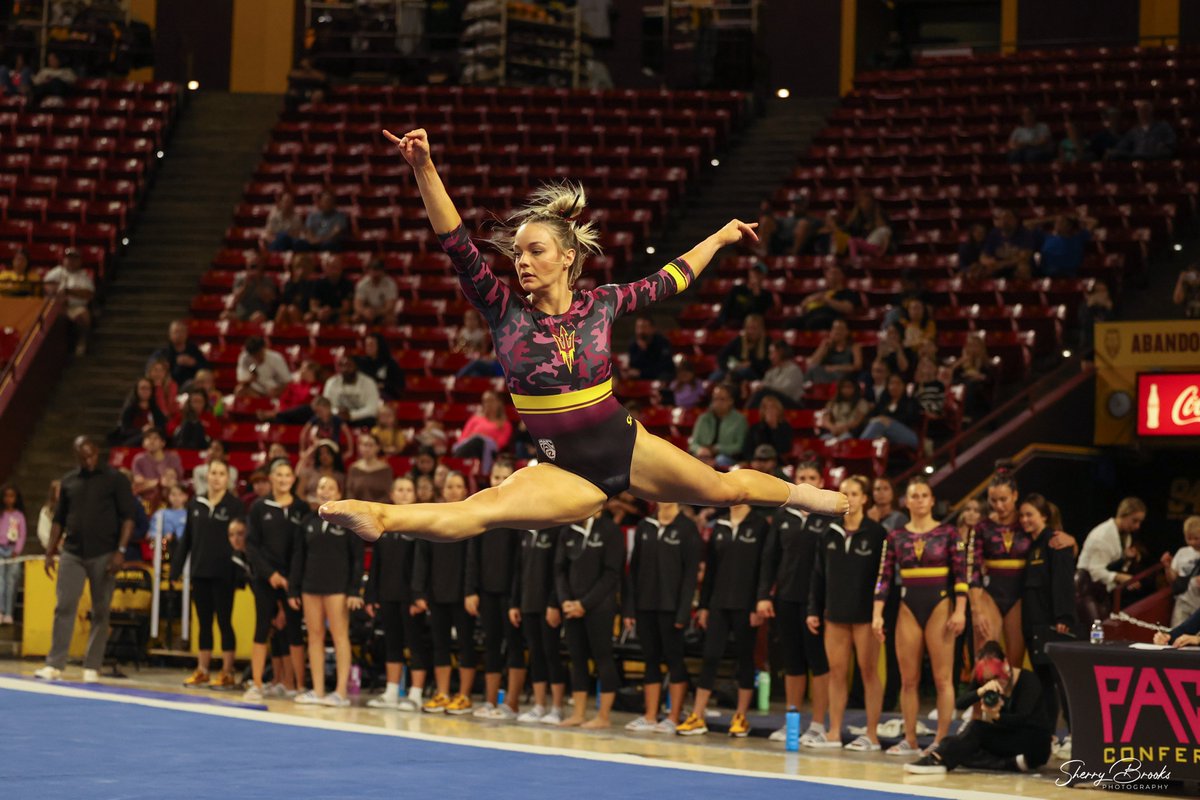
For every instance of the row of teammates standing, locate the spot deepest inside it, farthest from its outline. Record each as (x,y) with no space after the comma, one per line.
(833,591)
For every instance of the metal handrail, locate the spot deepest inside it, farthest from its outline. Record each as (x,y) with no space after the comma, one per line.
(16,367)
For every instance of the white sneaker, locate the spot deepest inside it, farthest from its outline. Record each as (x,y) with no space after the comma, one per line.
(334,700)
(48,673)
(1022,764)
(407,704)
(308,698)
(552,717)
(534,714)
(383,701)
(821,740)
(91,676)
(903,748)
(276,690)
(665,726)
(252,695)
(483,710)
(640,725)
(779,735)
(501,713)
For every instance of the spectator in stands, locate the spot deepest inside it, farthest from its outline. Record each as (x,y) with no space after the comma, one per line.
(883,505)
(1008,249)
(866,232)
(473,340)
(744,358)
(918,324)
(74,283)
(295,299)
(424,465)
(835,301)
(55,80)
(205,381)
(376,361)
(798,231)
(354,395)
(973,371)
(255,294)
(1107,542)
(845,412)
(332,293)
(295,404)
(1030,142)
(139,414)
(183,356)
(749,297)
(433,435)
(784,380)
(1149,138)
(325,425)
(1183,573)
(970,252)
(768,227)
(650,356)
(1108,136)
(18,79)
(765,459)
(1061,251)
(930,393)
(193,427)
(1073,149)
(687,390)
(771,429)
(149,465)
(283,225)
(392,439)
(320,461)
(93,524)
(15,280)
(875,386)
(1134,561)
(487,432)
(12,543)
(369,477)
(261,372)
(908,285)
(895,417)
(259,487)
(1187,292)
(46,514)
(720,432)
(216,452)
(1097,306)
(837,356)
(303,81)
(325,227)
(166,391)
(375,296)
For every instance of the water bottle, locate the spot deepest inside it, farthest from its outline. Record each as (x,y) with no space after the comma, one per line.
(793,729)
(1097,636)
(355,682)
(500,698)
(763,682)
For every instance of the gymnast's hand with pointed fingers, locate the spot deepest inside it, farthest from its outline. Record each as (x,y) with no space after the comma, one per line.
(736,230)
(414,146)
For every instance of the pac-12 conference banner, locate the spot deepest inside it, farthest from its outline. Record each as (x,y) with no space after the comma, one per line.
(1125,350)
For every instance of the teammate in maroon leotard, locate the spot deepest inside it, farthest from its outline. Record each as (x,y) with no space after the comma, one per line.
(554,343)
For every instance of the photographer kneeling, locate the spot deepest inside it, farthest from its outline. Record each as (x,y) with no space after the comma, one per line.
(1011,734)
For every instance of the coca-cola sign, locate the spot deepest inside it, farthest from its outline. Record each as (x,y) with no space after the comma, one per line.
(1168,404)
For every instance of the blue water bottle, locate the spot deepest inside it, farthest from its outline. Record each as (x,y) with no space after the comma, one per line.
(500,698)
(793,730)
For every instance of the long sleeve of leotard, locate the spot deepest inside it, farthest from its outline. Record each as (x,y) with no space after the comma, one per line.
(627,298)
(482,288)
(887,568)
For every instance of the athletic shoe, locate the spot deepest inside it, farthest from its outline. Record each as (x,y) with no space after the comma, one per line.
(926,765)
(384,701)
(407,704)
(501,713)
(1063,751)
(277,690)
(811,735)
(739,726)
(436,704)
(640,725)
(692,726)
(461,704)
(253,695)
(862,744)
(1022,764)
(197,678)
(224,680)
(534,714)
(778,735)
(308,698)
(665,726)
(48,673)
(483,710)
(892,729)
(91,676)
(334,700)
(930,749)
(552,717)
(821,740)
(903,748)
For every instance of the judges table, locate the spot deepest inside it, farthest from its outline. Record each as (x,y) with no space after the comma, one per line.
(1135,714)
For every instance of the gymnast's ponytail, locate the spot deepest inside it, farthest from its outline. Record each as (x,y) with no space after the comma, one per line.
(558,206)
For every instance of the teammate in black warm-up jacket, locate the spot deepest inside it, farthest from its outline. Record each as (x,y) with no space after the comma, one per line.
(659,592)
(588,566)
(534,607)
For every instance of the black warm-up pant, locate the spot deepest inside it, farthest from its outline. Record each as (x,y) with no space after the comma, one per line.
(502,642)
(400,630)
(545,649)
(214,597)
(266,605)
(983,745)
(723,623)
(444,616)
(592,636)
(661,642)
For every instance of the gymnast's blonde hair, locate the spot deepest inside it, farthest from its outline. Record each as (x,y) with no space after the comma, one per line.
(558,206)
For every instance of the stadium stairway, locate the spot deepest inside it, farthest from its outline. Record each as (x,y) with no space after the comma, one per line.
(216,145)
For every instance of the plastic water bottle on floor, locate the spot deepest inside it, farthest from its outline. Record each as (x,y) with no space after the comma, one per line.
(793,730)
(1097,636)
(500,698)
(355,682)
(763,682)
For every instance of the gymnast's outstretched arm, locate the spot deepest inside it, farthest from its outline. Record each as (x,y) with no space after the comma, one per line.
(414,146)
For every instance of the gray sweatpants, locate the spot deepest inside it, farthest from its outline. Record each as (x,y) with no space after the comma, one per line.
(72,572)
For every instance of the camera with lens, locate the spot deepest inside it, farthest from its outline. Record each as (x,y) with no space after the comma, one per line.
(991,698)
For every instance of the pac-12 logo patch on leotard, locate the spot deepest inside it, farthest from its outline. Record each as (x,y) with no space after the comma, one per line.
(547,448)
(565,339)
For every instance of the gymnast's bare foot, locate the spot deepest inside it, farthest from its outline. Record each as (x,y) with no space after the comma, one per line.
(596,724)
(573,721)
(362,518)
(818,501)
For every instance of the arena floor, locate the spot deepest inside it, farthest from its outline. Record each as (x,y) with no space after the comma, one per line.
(98,735)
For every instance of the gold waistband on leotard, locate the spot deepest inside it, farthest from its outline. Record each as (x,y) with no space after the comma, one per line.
(1004,563)
(558,403)
(924,572)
